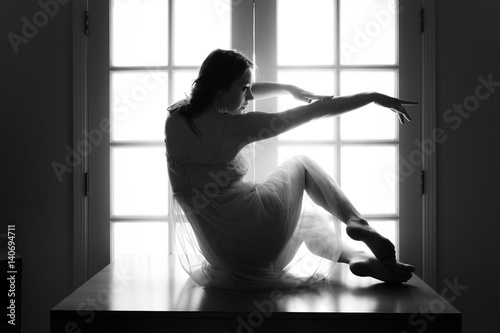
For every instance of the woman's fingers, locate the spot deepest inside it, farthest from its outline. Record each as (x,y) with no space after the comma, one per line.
(401,118)
(310,97)
(396,105)
(323,96)
(307,96)
(403,101)
(402,114)
(405,113)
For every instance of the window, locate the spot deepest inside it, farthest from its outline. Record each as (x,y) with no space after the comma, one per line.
(344,47)
(156,47)
(327,46)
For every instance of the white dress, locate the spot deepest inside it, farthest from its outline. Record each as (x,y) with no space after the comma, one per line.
(235,234)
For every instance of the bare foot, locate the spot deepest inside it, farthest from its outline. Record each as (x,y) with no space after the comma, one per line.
(365,265)
(380,246)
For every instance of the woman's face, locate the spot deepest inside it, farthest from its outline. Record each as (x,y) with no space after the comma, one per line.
(235,99)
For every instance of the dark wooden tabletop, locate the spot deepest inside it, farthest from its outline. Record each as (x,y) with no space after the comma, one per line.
(157,288)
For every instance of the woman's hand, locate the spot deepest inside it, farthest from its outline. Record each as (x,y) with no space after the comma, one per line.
(304,95)
(395,104)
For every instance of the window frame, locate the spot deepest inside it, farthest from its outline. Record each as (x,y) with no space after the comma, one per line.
(92,240)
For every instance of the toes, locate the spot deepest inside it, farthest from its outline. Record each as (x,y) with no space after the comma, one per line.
(405,278)
(396,279)
(409,268)
(370,266)
(404,271)
(401,277)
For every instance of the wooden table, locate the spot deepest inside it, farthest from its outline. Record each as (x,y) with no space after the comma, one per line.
(153,294)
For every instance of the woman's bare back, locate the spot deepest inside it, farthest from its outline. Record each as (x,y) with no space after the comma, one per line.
(208,147)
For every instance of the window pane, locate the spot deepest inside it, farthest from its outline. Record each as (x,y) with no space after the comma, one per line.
(140,101)
(139,181)
(324,155)
(139,237)
(368,32)
(387,228)
(182,84)
(367,178)
(305,32)
(139,33)
(318,82)
(372,121)
(200,26)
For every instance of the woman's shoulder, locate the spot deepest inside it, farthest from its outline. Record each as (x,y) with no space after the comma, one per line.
(173,124)
(172,119)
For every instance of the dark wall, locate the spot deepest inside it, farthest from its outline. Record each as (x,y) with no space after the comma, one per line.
(36,126)
(468,167)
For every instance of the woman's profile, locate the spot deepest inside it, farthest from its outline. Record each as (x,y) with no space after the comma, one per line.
(239,234)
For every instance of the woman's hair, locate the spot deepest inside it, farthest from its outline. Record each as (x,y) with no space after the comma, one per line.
(217,72)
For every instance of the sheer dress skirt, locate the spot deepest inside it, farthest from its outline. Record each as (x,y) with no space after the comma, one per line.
(234,234)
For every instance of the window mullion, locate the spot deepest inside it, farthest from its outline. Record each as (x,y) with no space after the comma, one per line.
(242,37)
(337,87)
(171,238)
(266,59)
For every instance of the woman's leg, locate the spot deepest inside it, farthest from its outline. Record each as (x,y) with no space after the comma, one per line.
(325,192)
(318,235)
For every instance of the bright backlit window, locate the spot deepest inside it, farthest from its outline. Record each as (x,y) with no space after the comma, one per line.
(331,47)
(342,48)
(156,47)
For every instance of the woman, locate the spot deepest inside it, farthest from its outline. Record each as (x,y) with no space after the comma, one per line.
(239,234)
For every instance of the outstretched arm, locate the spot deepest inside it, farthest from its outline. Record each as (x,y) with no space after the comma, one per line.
(339,105)
(255,126)
(261,90)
